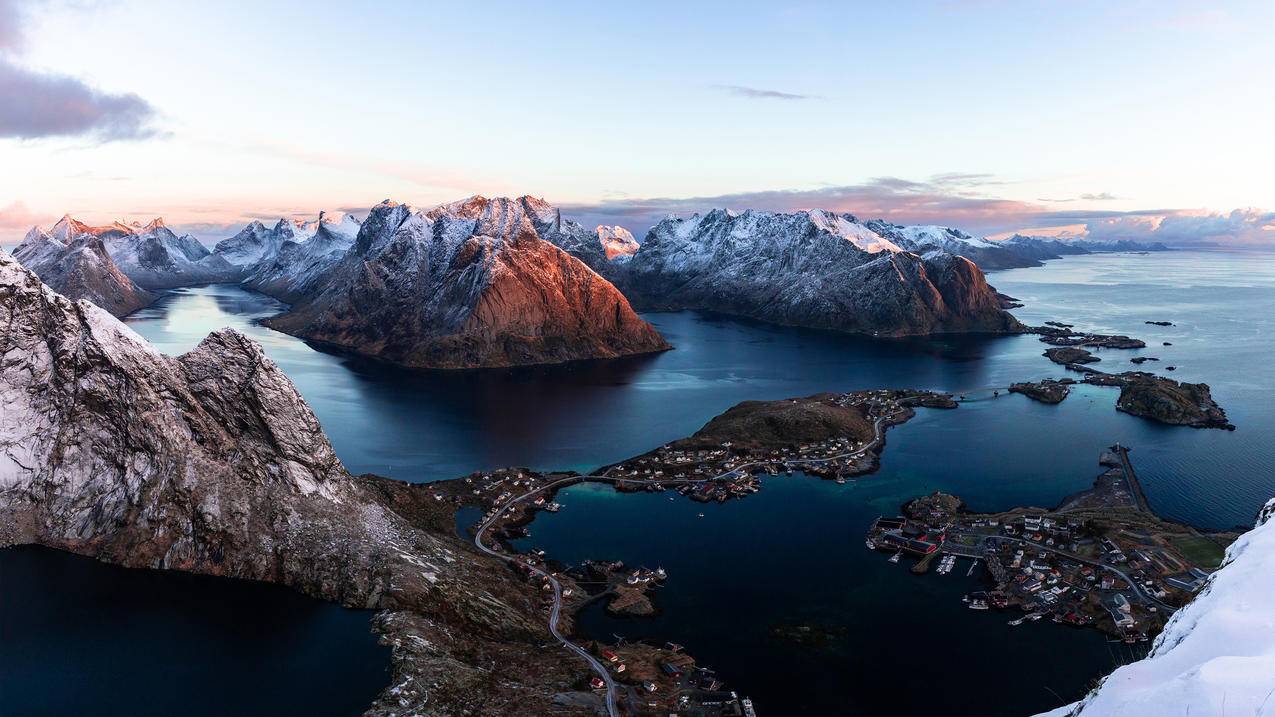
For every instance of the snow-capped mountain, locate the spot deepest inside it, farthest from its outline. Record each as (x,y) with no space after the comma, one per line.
(156,258)
(81,268)
(809,268)
(602,249)
(256,245)
(152,256)
(923,239)
(1216,655)
(1042,248)
(299,264)
(472,283)
(617,242)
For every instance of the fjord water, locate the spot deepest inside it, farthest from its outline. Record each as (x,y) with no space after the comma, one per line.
(793,554)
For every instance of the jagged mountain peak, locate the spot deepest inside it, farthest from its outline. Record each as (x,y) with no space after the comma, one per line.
(617,242)
(476,282)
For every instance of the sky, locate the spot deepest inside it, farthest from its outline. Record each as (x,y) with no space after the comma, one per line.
(1144,120)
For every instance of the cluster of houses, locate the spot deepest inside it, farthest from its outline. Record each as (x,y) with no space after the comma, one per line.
(1050,564)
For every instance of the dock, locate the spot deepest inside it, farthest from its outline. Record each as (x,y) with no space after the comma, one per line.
(1131,478)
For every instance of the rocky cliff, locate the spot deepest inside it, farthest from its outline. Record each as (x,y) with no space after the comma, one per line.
(812,268)
(81,268)
(475,283)
(211,462)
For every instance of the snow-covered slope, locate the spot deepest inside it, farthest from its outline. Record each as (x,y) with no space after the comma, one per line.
(617,242)
(300,264)
(152,256)
(809,268)
(924,239)
(256,246)
(81,268)
(468,284)
(1216,656)
(156,258)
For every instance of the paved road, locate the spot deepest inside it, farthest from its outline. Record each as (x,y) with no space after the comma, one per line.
(555,612)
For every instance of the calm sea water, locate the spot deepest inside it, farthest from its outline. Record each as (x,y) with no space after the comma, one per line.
(793,553)
(82,638)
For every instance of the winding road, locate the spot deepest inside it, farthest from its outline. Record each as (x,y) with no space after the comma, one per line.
(555,612)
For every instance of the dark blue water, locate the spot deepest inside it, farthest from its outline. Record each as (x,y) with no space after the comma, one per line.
(420,425)
(794,552)
(78,637)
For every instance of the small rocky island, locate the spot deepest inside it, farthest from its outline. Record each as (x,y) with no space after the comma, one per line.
(1164,400)
(1046,391)
(1066,355)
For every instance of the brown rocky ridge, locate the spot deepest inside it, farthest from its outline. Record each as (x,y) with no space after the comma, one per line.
(467,285)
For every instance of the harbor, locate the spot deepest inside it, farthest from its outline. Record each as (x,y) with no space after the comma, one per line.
(1100,559)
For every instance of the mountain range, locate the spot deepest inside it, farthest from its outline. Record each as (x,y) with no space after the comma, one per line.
(469,284)
(450,288)
(812,268)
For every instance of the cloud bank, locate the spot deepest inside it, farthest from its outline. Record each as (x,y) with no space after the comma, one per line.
(37,105)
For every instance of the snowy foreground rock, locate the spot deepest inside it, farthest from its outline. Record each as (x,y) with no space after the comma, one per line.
(812,268)
(475,283)
(1216,656)
(211,462)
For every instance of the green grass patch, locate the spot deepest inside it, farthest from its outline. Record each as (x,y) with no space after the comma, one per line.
(1199,550)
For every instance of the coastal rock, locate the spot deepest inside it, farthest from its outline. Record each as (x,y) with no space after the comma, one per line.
(630,601)
(300,264)
(815,269)
(1068,355)
(1046,391)
(470,284)
(211,462)
(1165,400)
(81,268)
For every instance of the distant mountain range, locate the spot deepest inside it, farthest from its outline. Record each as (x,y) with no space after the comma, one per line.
(495,282)
(811,268)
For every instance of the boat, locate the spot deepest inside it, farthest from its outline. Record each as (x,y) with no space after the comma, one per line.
(871,545)
(701,515)
(895,558)
(978,604)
